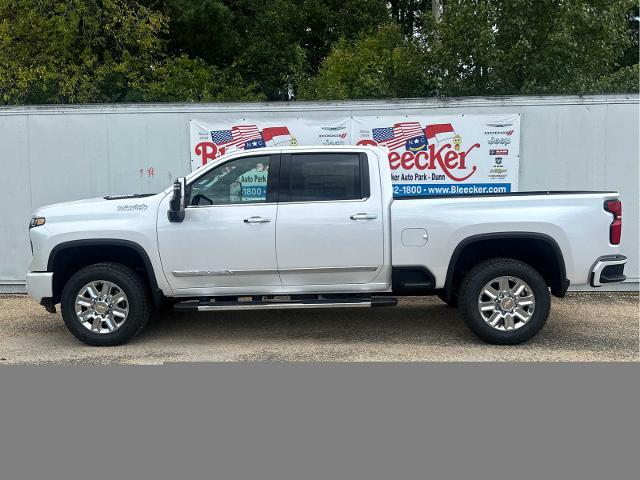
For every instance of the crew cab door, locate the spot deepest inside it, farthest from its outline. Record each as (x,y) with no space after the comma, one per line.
(227,238)
(330,220)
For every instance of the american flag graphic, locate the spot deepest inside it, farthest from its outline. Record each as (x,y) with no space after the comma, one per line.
(245,133)
(397,136)
(381,135)
(240,136)
(221,137)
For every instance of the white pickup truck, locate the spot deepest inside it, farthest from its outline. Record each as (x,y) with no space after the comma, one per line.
(317,227)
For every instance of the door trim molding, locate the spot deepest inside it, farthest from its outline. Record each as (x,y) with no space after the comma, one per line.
(329,269)
(215,273)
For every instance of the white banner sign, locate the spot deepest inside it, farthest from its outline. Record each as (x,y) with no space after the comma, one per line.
(428,155)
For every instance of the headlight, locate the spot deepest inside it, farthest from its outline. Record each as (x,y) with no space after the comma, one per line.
(37,222)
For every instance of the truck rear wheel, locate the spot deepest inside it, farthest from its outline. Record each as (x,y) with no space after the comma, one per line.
(105,304)
(504,301)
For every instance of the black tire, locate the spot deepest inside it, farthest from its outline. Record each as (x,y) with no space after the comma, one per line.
(475,280)
(131,283)
(451,302)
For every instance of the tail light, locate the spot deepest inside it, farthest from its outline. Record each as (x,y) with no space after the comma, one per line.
(615,229)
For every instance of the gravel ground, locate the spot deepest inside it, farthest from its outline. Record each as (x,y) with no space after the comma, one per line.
(582,327)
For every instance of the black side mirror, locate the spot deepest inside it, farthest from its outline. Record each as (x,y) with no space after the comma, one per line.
(177,202)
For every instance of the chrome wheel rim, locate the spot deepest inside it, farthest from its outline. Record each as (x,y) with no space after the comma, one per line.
(102,306)
(506,303)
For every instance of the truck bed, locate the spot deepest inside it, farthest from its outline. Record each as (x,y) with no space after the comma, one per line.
(575,221)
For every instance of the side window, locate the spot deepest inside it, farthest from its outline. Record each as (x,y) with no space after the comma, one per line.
(239,181)
(327,176)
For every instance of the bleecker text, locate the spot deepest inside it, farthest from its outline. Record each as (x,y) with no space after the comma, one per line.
(208,151)
(447,159)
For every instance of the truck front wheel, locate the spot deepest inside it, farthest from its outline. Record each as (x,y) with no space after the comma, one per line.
(105,304)
(504,301)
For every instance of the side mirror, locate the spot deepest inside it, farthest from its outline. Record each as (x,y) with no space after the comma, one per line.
(177,202)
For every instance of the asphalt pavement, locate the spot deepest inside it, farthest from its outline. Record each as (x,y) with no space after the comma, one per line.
(582,327)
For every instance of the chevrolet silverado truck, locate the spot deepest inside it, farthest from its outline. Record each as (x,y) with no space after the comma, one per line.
(317,227)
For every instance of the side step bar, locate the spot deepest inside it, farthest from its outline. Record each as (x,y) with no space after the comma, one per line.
(195,305)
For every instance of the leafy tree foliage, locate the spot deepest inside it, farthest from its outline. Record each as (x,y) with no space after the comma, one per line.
(494,47)
(285,41)
(203,29)
(70,51)
(80,51)
(381,65)
(630,56)
(273,44)
(526,46)
(408,14)
(184,79)
(75,51)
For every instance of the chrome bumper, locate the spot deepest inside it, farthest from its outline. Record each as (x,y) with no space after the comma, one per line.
(608,269)
(40,285)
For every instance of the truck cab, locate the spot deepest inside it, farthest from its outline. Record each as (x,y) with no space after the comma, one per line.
(277,223)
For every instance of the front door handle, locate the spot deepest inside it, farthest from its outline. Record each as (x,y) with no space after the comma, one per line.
(257,220)
(363,216)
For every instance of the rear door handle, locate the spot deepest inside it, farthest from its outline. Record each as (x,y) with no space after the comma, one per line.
(363,216)
(257,220)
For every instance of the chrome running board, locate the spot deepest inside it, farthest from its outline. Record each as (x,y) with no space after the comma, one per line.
(286,304)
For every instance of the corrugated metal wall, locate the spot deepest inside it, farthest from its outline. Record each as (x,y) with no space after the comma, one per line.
(52,153)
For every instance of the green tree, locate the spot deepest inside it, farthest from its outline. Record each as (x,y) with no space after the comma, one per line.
(492,47)
(201,29)
(75,50)
(80,51)
(488,47)
(184,79)
(408,14)
(630,56)
(283,42)
(70,51)
(327,21)
(273,45)
(380,65)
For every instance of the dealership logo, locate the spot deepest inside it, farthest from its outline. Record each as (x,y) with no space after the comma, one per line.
(337,138)
(499,141)
(498,172)
(333,128)
(342,135)
(499,125)
(508,133)
(499,152)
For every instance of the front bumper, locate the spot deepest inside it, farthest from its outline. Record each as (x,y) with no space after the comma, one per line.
(40,285)
(608,269)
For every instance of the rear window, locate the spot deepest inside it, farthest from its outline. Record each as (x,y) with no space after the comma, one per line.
(327,176)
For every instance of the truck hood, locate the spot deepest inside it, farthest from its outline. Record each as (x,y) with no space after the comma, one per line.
(98,205)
